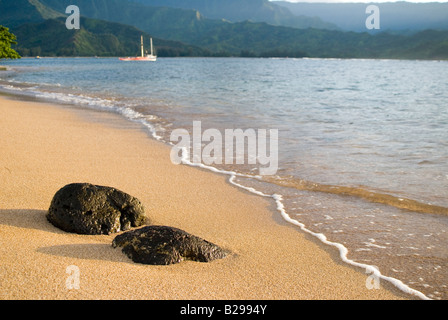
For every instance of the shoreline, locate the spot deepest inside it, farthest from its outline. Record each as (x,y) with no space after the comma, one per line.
(46,146)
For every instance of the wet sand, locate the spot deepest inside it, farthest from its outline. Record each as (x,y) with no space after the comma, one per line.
(44,147)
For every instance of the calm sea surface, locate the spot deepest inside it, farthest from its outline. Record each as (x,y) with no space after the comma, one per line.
(363,144)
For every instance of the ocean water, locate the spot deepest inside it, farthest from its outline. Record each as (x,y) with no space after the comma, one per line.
(362,144)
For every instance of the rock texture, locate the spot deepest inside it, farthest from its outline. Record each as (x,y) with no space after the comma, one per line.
(160,245)
(89,209)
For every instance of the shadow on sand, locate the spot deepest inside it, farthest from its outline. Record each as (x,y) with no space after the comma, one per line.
(36,220)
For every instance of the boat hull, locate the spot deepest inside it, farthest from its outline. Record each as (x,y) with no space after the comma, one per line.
(147,57)
(139,59)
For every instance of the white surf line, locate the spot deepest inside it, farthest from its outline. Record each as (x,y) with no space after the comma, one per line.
(343,251)
(185,160)
(93,103)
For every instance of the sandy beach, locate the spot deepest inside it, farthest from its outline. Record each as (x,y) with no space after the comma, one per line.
(44,147)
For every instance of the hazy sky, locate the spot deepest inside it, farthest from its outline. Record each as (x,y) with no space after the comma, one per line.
(366,1)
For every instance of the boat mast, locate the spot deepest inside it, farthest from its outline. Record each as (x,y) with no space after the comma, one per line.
(142,47)
(152,53)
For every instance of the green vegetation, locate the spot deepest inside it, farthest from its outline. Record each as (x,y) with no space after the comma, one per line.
(263,40)
(18,12)
(113,28)
(95,38)
(6,40)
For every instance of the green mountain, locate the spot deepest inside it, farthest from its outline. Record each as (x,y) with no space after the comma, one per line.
(16,12)
(112,27)
(251,38)
(258,39)
(245,10)
(163,22)
(41,30)
(95,38)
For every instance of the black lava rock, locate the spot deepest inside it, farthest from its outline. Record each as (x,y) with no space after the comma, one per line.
(160,245)
(89,209)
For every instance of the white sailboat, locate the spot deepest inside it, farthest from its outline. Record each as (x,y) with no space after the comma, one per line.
(147,57)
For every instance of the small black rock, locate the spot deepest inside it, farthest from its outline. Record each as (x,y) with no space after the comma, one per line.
(160,245)
(89,209)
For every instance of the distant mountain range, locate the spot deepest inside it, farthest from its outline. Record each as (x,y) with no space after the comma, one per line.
(252,28)
(395,16)
(245,10)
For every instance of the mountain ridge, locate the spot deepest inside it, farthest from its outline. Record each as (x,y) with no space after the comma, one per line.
(95,38)
(182,32)
(242,10)
(41,30)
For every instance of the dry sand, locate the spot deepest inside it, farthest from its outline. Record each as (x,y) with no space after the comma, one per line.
(44,147)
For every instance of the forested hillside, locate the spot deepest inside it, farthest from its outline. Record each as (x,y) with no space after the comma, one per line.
(113,28)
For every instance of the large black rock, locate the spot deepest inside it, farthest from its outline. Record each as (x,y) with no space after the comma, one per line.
(160,245)
(89,209)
